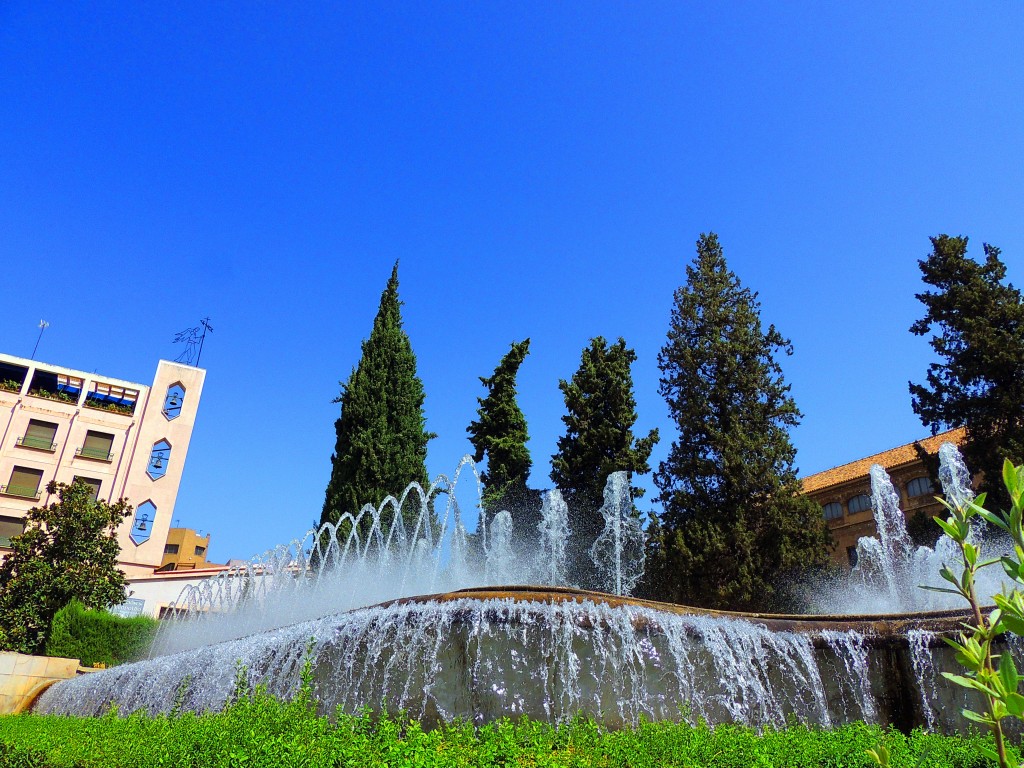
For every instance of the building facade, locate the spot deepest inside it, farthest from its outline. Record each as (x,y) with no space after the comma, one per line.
(185,550)
(125,439)
(844,492)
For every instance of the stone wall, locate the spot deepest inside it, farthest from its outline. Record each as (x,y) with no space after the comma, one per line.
(23,678)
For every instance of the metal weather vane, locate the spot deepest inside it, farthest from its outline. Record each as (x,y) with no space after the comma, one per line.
(193,339)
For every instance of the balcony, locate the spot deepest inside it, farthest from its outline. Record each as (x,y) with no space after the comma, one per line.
(20,491)
(97,454)
(37,443)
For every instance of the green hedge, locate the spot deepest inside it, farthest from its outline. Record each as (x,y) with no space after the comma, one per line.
(98,637)
(259,731)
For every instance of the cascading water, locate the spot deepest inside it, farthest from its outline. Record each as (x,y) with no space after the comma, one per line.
(554,534)
(549,654)
(618,551)
(890,571)
(412,545)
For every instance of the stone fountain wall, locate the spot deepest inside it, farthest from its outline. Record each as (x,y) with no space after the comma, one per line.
(552,654)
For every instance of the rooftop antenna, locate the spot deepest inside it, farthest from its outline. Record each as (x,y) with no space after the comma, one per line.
(43,325)
(193,339)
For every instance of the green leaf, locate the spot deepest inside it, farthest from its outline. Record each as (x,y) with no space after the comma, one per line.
(1015,704)
(1008,672)
(976,717)
(988,752)
(950,528)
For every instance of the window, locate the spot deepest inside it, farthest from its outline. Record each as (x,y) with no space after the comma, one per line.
(172,402)
(858,503)
(851,555)
(39,435)
(93,484)
(158,459)
(142,524)
(24,483)
(9,528)
(107,397)
(97,446)
(920,486)
(171,549)
(200,551)
(833,510)
(56,386)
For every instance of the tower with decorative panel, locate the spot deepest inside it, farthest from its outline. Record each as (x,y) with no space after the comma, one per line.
(125,439)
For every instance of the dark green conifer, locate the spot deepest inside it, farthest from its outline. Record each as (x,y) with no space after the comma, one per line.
(381,434)
(599,440)
(734,525)
(976,319)
(499,434)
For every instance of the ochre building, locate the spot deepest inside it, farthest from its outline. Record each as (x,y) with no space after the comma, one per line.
(844,492)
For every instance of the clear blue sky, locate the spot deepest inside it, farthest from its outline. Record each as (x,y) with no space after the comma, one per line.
(540,170)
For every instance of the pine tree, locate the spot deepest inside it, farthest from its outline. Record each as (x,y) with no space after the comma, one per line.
(381,433)
(977,321)
(499,434)
(734,526)
(598,440)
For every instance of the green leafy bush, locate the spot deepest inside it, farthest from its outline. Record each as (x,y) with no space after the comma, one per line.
(97,636)
(258,730)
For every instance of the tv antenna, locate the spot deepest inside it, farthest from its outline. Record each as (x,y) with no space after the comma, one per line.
(193,339)
(43,325)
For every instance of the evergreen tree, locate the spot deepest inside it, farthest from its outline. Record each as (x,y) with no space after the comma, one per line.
(499,434)
(68,552)
(977,322)
(598,440)
(734,526)
(381,433)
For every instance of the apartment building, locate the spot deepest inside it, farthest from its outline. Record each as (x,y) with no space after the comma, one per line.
(844,492)
(125,439)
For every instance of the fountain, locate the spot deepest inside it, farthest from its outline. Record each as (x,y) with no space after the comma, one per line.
(462,649)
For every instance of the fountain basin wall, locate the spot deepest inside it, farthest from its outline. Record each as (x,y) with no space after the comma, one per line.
(552,654)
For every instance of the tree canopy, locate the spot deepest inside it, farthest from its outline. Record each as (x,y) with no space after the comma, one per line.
(382,439)
(598,440)
(976,319)
(499,434)
(734,525)
(67,552)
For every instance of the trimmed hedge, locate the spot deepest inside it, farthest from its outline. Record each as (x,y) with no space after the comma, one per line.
(259,731)
(98,637)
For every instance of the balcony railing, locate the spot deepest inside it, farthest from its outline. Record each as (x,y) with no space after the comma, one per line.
(39,443)
(21,491)
(100,454)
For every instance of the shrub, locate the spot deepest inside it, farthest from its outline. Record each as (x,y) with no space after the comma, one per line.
(97,636)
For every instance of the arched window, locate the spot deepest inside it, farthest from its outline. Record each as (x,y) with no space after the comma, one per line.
(920,486)
(158,459)
(142,524)
(858,503)
(172,402)
(833,510)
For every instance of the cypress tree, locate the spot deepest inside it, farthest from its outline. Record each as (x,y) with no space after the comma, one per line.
(977,322)
(381,433)
(598,440)
(734,525)
(499,434)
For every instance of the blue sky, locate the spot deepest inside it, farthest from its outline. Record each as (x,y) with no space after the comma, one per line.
(539,170)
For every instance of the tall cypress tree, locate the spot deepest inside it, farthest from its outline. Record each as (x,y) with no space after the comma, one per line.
(598,440)
(977,322)
(381,434)
(734,525)
(499,434)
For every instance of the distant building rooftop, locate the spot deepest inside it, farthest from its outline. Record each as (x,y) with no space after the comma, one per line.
(894,457)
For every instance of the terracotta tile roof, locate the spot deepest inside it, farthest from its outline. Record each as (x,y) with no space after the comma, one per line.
(894,457)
